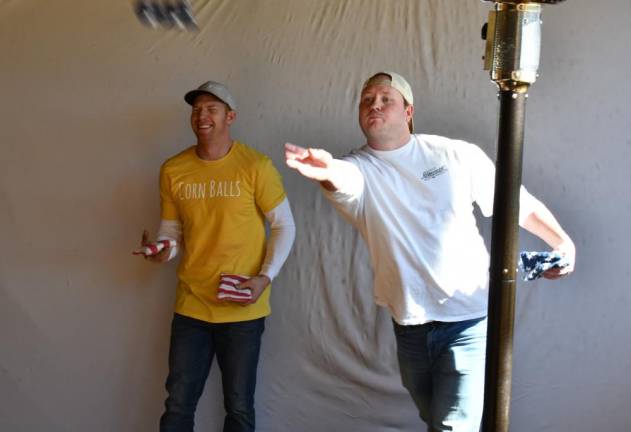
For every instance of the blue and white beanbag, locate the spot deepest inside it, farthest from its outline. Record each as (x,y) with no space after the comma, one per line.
(534,264)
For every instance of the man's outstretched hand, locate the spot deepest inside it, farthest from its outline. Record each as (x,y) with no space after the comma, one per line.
(312,163)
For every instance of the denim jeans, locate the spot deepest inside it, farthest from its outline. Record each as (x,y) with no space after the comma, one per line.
(194,344)
(442,367)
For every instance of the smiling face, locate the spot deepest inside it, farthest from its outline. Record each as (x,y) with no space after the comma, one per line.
(384,116)
(211,118)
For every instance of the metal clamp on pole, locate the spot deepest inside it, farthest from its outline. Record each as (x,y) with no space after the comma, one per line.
(513,41)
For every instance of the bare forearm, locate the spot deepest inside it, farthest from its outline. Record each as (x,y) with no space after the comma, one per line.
(542,223)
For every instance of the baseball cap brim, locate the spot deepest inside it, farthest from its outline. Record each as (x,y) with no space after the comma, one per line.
(192,95)
(215,89)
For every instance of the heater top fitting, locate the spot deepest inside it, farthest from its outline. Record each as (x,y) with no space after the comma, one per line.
(513,42)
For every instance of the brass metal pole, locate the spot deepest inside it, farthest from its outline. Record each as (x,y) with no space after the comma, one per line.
(504,243)
(513,36)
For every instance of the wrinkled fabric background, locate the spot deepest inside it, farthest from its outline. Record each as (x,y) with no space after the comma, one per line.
(92,103)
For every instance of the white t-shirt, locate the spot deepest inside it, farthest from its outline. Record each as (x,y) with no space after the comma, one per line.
(414,208)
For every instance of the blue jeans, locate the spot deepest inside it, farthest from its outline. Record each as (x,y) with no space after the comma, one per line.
(442,367)
(194,344)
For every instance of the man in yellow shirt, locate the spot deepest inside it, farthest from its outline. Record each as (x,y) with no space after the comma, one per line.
(215,197)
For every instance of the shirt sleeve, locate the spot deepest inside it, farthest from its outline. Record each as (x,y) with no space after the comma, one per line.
(168,209)
(483,185)
(170,225)
(348,198)
(171,230)
(281,239)
(269,191)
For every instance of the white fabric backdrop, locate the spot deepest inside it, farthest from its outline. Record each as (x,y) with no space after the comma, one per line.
(91,106)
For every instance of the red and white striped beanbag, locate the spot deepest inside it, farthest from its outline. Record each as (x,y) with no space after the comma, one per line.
(154,248)
(228,291)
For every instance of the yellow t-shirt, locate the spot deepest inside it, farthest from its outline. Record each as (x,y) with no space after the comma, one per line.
(220,205)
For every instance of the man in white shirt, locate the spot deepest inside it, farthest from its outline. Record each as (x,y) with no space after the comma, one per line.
(411,197)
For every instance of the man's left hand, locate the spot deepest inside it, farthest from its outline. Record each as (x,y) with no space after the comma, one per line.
(568,251)
(257,284)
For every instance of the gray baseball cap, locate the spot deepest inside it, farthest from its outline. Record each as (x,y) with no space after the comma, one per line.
(398,83)
(216,89)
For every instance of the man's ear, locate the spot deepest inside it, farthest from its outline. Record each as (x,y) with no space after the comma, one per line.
(231,116)
(409,112)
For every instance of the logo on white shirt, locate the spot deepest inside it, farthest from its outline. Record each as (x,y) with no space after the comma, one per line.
(433,172)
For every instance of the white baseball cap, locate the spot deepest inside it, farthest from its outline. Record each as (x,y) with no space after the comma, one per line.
(216,89)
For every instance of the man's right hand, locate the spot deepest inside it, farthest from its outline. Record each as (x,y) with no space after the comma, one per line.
(161,256)
(312,163)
